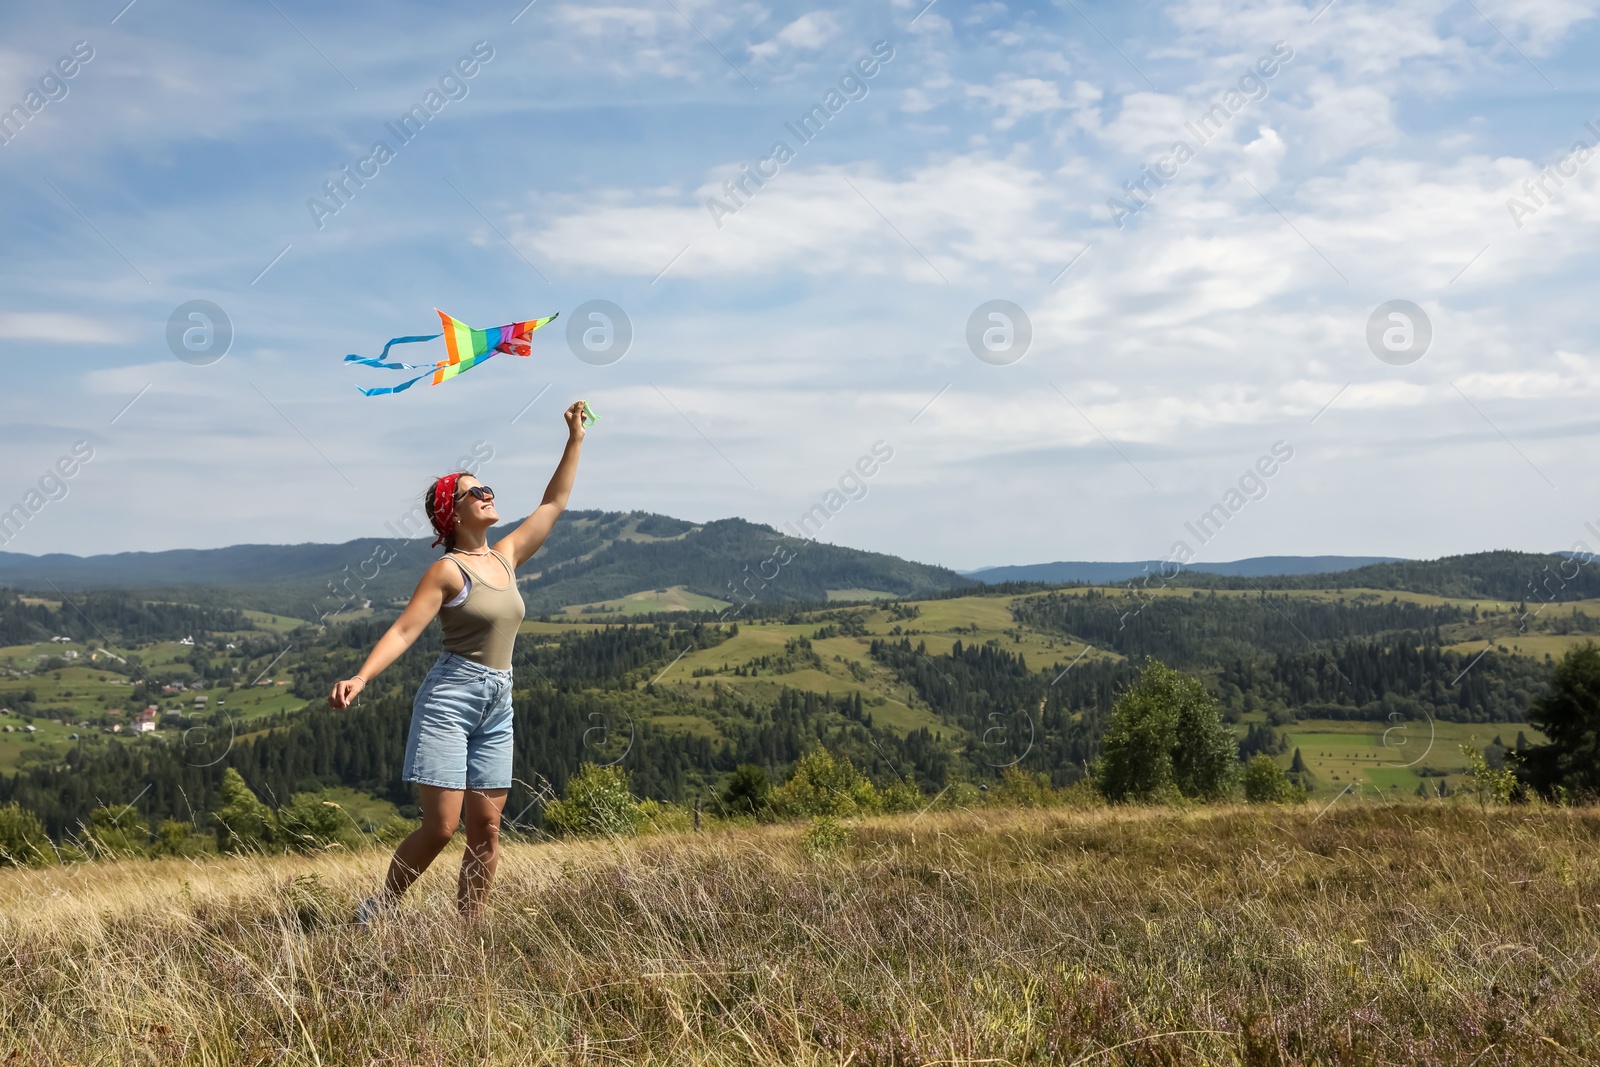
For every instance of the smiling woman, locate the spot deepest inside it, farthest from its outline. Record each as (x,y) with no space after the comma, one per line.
(458,748)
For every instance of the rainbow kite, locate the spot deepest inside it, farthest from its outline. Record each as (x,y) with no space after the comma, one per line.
(467,348)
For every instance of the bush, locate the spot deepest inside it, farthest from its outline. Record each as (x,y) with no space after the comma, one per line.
(114,832)
(1020,789)
(658,818)
(748,791)
(395,829)
(175,838)
(956,796)
(1491,786)
(822,785)
(825,837)
(1265,783)
(1081,794)
(597,800)
(23,842)
(308,823)
(901,796)
(244,824)
(1166,740)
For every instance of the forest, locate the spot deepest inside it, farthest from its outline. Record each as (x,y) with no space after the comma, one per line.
(957,686)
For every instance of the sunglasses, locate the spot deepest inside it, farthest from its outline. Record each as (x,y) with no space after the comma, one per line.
(477,492)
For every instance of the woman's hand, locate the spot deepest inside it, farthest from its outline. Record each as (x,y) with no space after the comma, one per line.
(574,416)
(344,692)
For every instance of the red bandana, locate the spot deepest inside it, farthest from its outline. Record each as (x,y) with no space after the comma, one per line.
(444,506)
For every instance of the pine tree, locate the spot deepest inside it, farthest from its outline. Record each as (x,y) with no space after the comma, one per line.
(244,824)
(1569,715)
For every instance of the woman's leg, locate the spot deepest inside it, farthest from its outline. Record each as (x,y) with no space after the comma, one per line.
(483,848)
(441,812)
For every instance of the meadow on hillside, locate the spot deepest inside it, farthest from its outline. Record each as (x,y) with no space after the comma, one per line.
(1395,934)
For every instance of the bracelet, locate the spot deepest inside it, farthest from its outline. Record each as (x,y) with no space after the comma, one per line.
(353,677)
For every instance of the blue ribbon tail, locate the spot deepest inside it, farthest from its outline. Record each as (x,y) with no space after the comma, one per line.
(371,361)
(406,341)
(402,387)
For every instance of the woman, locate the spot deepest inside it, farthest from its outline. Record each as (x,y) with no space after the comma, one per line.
(458,749)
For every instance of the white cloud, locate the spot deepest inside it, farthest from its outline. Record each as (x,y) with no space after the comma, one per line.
(1017,98)
(60,328)
(608,20)
(810,31)
(1146,122)
(1537,25)
(1262,157)
(959,213)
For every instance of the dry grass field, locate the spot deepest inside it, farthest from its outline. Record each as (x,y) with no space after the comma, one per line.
(1383,934)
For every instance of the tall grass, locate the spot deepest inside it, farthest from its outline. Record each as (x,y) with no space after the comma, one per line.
(1425,934)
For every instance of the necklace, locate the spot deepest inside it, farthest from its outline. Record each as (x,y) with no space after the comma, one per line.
(464,552)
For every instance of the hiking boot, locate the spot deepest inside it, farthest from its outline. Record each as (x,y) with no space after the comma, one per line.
(372,909)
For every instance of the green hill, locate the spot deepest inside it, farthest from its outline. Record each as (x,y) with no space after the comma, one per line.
(1500,575)
(731,560)
(590,556)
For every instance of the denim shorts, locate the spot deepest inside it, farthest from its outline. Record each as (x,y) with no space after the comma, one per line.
(460,736)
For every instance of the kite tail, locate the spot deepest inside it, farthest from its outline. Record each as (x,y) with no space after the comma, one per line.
(381,365)
(385,353)
(402,387)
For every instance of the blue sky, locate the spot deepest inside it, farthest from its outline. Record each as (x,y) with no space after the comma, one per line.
(774,344)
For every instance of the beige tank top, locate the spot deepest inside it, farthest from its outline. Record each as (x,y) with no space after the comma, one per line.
(483,627)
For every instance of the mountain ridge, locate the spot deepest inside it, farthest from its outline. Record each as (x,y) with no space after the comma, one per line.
(1098,571)
(590,556)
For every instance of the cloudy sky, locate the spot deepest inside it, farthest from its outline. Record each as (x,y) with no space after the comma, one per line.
(1293,169)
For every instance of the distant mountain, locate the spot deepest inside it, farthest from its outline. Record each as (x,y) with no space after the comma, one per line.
(590,556)
(1514,577)
(1100,573)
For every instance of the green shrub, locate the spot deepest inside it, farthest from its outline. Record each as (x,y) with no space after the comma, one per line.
(825,837)
(1021,789)
(395,829)
(244,824)
(656,817)
(597,800)
(822,785)
(1265,782)
(1081,794)
(1492,786)
(114,832)
(308,823)
(901,796)
(748,791)
(175,838)
(957,795)
(1166,740)
(23,842)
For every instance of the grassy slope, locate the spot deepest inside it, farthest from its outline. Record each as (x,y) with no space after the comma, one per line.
(1424,933)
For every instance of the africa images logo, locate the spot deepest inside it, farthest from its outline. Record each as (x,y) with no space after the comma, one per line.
(1252,86)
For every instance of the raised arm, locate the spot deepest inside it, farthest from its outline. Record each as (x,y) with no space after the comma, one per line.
(520,544)
(425,603)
